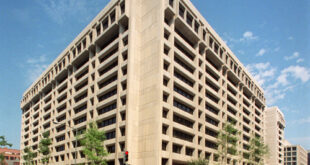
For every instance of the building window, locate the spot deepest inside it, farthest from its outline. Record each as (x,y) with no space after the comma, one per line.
(111,148)
(164,145)
(80,109)
(176,148)
(80,120)
(183,78)
(107,95)
(210,144)
(211,121)
(183,93)
(107,108)
(60,148)
(183,121)
(182,135)
(107,122)
(171,3)
(122,7)
(181,10)
(184,65)
(189,19)
(183,107)
(110,135)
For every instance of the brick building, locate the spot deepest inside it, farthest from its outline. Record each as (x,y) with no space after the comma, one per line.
(12,156)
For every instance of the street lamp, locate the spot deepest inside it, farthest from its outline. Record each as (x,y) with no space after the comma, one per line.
(72,129)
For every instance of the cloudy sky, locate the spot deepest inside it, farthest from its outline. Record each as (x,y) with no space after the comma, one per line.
(271,38)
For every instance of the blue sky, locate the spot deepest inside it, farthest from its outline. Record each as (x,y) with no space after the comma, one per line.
(271,38)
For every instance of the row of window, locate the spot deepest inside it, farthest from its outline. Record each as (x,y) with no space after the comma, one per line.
(183,107)
(189,20)
(75,51)
(106,122)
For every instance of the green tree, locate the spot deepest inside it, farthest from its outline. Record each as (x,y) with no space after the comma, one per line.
(93,148)
(3,143)
(257,150)
(199,161)
(29,156)
(44,147)
(227,141)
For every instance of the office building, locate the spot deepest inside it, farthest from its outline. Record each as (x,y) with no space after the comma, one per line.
(295,155)
(156,77)
(11,156)
(308,157)
(274,135)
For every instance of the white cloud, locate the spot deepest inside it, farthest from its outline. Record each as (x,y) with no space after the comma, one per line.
(300,60)
(41,59)
(282,79)
(273,95)
(261,72)
(249,35)
(276,85)
(22,14)
(240,51)
(283,83)
(275,92)
(61,11)
(277,49)
(246,36)
(36,71)
(264,74)
(40,46)
(262,66)
(261,52)
(297,72)
(289,110)
(305,120)
(293,56)
(35,67)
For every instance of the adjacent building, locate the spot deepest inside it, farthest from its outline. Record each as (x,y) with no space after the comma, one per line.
(11,156)
(274,135)
(156,77)
(295,155)
(308,157)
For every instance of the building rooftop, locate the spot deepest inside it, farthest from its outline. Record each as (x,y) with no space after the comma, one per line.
(10,151)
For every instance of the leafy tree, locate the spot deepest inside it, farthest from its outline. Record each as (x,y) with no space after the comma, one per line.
(257,150)
(93,148)
(44,147)
(28,156)
(3,143)
(2,159)
(199,161)
(227,141)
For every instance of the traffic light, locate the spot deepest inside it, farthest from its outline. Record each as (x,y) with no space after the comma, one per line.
(126,155)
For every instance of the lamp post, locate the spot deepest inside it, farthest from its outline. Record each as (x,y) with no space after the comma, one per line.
(72,129)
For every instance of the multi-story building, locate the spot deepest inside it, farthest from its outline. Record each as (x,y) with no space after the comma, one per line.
(156,77)
(11,156)
(274,135)
(295,155)
(308,157)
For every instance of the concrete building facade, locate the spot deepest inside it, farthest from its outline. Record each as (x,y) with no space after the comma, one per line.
(274,135)
(156,77)
(11,156)
(295,155)
(308,157)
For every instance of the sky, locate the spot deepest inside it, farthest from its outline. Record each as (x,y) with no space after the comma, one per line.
(270,38)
